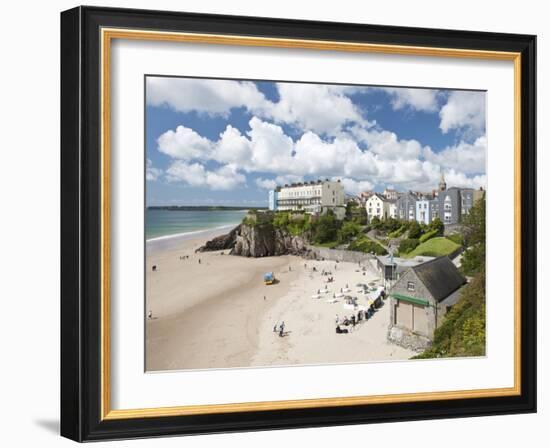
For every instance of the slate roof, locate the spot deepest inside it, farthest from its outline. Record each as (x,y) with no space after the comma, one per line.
(440,276)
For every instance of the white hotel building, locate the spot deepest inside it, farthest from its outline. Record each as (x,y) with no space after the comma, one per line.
(315,197)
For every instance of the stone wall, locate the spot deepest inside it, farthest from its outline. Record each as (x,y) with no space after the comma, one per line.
(339,254)
(407,339)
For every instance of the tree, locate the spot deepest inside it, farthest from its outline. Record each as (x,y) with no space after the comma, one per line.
(391,224)
(375,222)
(351,206)
(361,216)
(408,245)
(326,228)
(349,230)
(473,225)
(462,333)
(415,231)
(438,225)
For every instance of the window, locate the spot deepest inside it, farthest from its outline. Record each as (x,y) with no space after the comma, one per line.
(410,286)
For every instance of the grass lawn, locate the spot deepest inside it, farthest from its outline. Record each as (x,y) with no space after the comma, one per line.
(434,247)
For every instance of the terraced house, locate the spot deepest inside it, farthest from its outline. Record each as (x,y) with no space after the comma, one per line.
(378,206)
(315,197)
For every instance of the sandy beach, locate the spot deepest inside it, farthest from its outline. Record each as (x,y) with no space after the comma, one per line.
(212,310)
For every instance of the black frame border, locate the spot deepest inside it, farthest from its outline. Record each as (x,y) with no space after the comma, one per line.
(81,223)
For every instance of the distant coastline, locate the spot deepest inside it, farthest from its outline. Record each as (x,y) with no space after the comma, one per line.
(176,222)
(204,208)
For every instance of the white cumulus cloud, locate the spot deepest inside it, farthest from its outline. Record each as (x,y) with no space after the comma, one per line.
(458,179)
(152,173)
(355,187)
(266,184)
(464,111)
(416,99)
(313,107)
(215,97)
(184,143)
(226,177)
(466,157)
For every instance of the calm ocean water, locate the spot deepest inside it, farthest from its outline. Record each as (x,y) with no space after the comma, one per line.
(162,223)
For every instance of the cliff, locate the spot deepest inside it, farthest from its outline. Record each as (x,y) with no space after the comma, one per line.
(262,240)
(222,242)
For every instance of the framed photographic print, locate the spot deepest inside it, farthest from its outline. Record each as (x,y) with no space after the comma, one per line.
(273,223)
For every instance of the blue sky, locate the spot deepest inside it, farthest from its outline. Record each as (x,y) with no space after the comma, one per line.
(228,142)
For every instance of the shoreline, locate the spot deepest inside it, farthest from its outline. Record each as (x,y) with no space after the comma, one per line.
(164,242)
(209,311)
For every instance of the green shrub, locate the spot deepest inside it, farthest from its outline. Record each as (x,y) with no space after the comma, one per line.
(456,238)
(462,332)
(375,223)
(428,235)
(408,245)
(397,233)
(326,228)
(366,245)
(415,231)
(438,225)
(349,230)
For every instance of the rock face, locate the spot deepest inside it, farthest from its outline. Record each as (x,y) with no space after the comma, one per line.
(258,241)
(222,242)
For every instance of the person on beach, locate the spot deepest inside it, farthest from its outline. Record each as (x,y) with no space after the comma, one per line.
(199,261)
(275,328)
(337,319)
(289,268)
(340,331)
(264,298)
(150,315)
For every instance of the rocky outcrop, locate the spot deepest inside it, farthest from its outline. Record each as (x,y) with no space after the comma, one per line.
(258,241)
(222,242)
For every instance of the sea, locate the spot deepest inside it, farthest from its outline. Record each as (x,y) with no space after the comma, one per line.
(163,224)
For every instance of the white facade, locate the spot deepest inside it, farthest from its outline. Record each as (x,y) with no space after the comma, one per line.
(423,211)
(392,210)
(378,207)
(312,197)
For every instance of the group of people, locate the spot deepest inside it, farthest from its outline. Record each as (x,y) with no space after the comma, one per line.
(280,329)
(351,322)
(330,279)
